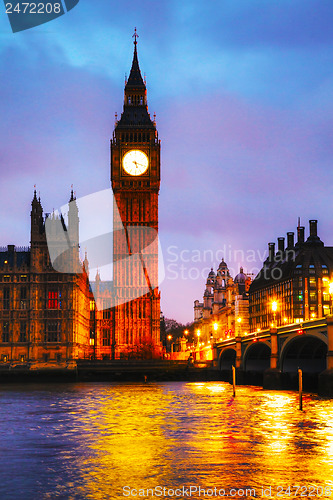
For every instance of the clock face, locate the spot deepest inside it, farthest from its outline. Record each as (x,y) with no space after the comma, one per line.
(135,162)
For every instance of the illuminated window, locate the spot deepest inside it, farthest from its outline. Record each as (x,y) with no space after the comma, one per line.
(5,331)
(326,297)
(53,299)
(24,277)
(312,282)
(324,269)
(6,279)
(92,309)
(326,309)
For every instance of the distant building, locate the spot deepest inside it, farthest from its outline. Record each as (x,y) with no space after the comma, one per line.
(224,310)
(297,277)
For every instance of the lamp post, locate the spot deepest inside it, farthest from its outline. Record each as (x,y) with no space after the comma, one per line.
(274,344)
(239,320)
(274,309)
(169,339)
(198,335)
(330,291)
(215,328)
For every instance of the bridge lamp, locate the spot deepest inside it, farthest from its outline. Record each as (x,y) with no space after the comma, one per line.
(330,291)
(239,320)
(274,309)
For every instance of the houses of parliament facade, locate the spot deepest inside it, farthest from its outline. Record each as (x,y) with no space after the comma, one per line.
(49,317)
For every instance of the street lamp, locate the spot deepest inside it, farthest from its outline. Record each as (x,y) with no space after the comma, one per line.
(330,291)
(198,334)
(274,309)
(214,335)
(239,320)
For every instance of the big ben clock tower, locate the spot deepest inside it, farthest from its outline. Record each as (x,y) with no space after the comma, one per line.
(135,180)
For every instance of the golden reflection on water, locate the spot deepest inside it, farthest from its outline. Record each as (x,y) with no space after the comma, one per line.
(94,439)
(196,433)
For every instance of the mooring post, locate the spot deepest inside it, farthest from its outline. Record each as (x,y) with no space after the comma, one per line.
(300,389)
(233,381)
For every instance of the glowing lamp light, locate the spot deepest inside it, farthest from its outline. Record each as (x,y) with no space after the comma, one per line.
(198,333)
(215,326)
(169,337)
(6,261)
(285,320)
(330,288)
(274,306)
(300,331)
(239,320)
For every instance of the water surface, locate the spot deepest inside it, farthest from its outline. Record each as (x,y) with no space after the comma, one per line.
(91,440)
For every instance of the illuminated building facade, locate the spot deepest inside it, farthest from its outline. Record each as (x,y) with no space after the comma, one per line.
(135,179)
(49,317)
(225,308)
(297,277)
(44,314)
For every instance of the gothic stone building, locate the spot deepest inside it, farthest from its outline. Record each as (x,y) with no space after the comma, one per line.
(53,317)
(44,314)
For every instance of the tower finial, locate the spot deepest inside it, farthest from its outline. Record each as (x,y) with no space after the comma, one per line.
(135,36)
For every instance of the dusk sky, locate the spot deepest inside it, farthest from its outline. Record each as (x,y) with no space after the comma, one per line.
(243,93)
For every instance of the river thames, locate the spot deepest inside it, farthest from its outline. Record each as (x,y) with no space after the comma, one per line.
(174,439)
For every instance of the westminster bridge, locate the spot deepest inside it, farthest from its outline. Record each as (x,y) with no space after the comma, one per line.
(272,357)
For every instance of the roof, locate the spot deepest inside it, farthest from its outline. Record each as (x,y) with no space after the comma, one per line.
(135,80)
(296,261)
(22,256)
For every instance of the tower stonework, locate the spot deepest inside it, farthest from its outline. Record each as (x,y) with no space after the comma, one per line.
(135,180)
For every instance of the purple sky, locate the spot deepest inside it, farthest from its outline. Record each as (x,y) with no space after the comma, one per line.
(243,92)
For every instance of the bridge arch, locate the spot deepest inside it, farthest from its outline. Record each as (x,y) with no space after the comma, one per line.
(307,352)
(227,358)
(257,357)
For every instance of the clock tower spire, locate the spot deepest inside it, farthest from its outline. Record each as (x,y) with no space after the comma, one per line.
(135,180)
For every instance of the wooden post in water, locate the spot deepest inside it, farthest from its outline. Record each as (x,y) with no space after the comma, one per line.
(300,389)
(233,381)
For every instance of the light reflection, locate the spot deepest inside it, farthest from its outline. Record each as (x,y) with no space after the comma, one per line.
(97,438)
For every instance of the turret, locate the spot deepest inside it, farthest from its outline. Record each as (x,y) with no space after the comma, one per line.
(37,223)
